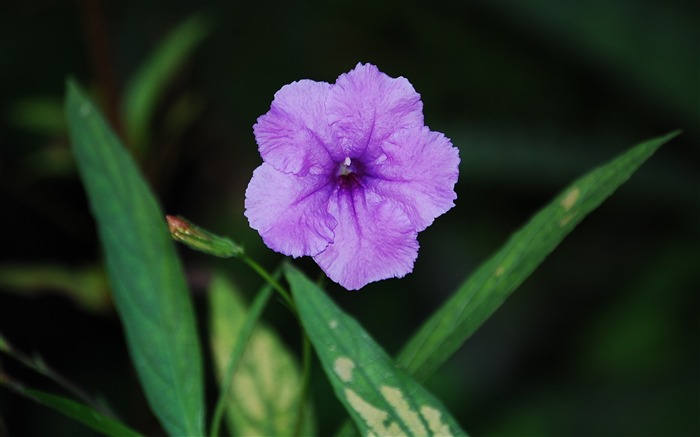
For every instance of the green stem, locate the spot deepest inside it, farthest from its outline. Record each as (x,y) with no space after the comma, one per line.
(198,238)
(270,280)
(38,365)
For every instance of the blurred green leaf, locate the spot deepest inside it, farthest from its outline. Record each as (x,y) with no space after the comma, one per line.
(75,410)
(381,398)
(180,115)
(51,160)
(147,280)
(87,286)
(39,115)
(617,37)
(264,393)
(638,336)
(486,289)
(149,83)
(541,160)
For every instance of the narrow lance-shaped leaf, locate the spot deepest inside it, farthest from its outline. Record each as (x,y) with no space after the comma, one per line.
(486,289)
(381,398)
(145,274)
(263,397)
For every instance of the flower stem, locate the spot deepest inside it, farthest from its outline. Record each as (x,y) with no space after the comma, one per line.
(198,238)
(286,297)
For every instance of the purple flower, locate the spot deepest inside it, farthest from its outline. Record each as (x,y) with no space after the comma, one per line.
(350,175)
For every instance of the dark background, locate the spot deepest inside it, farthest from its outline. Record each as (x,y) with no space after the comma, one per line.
(601,340)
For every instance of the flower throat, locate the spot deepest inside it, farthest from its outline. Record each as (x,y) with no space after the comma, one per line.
(348,173)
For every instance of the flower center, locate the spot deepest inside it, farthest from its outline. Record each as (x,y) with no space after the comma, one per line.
(348,173)
(345,167)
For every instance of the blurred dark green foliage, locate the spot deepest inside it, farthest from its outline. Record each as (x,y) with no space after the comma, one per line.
(602,340)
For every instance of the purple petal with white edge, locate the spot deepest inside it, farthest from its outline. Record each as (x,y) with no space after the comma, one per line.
(365,106)
(418,169)
(373,240)
(289,211)
(293,134)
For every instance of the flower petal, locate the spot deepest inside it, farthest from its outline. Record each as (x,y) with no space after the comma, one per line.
(293,134)
(365,106)
(373,240)
(289,211)
(419,169)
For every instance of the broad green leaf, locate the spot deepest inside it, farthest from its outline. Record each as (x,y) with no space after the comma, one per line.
(486,289)
(149,83)
(75,410)
(147,280)
(380,397)
(263,397)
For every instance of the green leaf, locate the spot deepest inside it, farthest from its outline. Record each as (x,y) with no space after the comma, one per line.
(149,83)
(381,398)
(264,393)
(78,412)
(146,277)
(486,289)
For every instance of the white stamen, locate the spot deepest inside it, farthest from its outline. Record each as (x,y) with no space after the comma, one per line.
(347,161)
